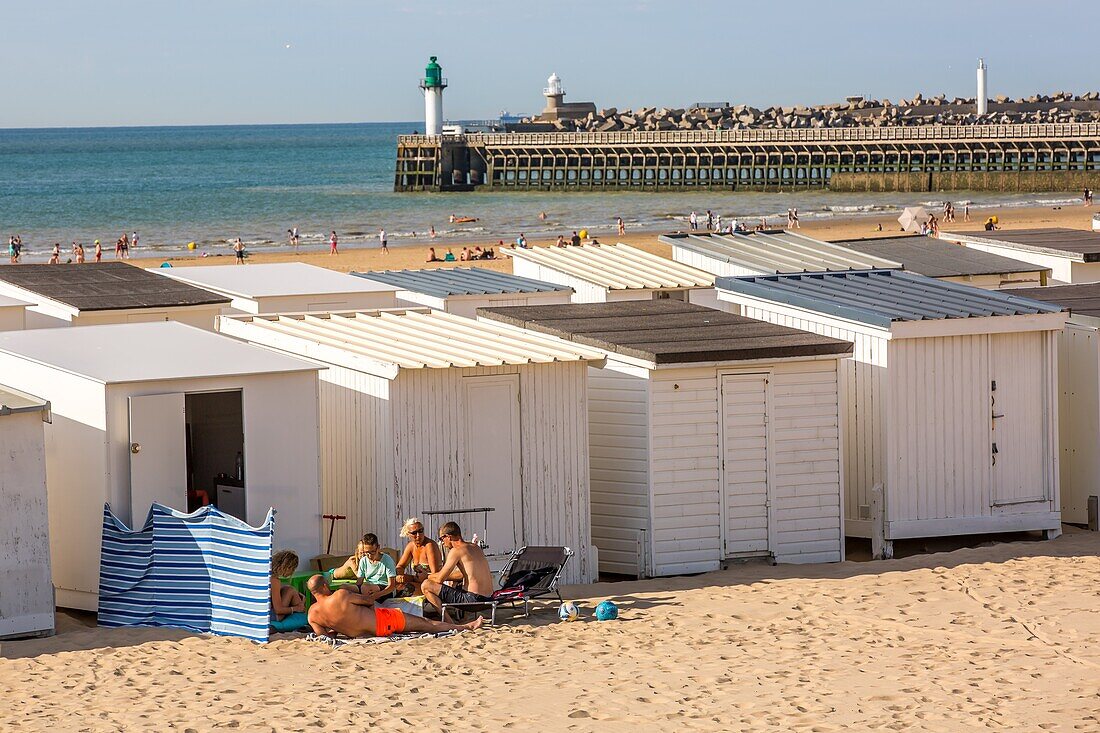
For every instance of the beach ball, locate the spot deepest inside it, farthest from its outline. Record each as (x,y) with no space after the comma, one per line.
(607,611)
(568,611)
(191,246)
(583,234)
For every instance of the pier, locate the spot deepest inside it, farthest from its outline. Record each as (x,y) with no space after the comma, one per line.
(1010,157)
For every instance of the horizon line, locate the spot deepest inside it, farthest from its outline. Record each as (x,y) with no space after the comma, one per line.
(207,124)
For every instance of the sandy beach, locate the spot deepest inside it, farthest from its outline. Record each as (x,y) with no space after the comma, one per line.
(998,637)
(415,256)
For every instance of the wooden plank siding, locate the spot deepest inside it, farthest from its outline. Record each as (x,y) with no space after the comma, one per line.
(861,385)
(618,434)
(583,291)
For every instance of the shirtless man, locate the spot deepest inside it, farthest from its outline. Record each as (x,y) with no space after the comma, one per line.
(466,563)
(346,612)
(421,556)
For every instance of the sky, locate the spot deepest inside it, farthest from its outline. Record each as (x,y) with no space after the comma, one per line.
(75,63)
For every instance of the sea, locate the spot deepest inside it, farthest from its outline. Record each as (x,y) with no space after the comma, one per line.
(210,185)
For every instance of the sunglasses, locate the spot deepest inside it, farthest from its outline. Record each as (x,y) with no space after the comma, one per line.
(416,531)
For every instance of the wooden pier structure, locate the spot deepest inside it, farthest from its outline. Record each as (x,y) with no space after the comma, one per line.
(1020,157)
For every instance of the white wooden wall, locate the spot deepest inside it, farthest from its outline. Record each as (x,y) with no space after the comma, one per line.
(1078,420)
(941,478)
(26,598)
(712,265)
(356,456)
(618,430)
(1004,281)
(1063,269)
(862,384)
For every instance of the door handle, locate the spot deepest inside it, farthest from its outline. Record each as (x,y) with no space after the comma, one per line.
(135,447)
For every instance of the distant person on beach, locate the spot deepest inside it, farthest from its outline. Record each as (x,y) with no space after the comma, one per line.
(98,251)
(465,256)
(55,258)
(621,225)
(542,216)
(990,225)
(78,252)
(790,218)
(11,249)
(575,240)
(693,221)
(560,242)
(238,248)
(1088,197)
(521,241)
(118,246)
(432,256)
(383,242)
(346,612)
(431,231)
(133,243)
(710,220)
(332,244)
(449,257)
(717,222)
(377,571)
(966,211)
(292,234)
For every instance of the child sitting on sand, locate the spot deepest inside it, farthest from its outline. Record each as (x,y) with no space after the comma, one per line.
(284,599)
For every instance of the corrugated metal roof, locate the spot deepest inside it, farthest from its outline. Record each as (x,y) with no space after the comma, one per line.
(616,267)
(773,252)
(937,258)
(444,282)
(270,279)
(412,338)
(881,297)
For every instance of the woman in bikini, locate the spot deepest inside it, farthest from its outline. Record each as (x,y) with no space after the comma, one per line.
(421,556)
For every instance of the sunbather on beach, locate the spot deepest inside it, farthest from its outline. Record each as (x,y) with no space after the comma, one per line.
(354,615)
(420,557)
(465,564)
(284,599)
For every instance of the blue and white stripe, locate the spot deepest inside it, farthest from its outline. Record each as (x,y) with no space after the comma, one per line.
(206,572)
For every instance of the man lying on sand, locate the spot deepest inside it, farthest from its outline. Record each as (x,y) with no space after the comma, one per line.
(347,612)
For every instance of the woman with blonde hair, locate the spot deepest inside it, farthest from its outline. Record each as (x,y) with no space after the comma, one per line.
(421,556)
(350,568)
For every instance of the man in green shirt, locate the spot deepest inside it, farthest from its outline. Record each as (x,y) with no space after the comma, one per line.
(377,571)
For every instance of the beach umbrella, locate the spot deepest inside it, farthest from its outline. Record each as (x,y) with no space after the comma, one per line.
(912,217)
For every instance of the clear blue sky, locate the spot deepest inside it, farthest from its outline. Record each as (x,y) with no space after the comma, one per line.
(157,62)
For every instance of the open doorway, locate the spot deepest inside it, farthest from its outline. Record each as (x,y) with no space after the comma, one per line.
(215,451)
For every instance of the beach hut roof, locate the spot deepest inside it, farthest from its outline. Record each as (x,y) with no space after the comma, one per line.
(106,286)
(1082,299)
(13,401)
(882,297)
(616,267)
(667,331)
(143,352)
(446,282)
(384,341)
(1076,244)
(273,279)
(777,251)
(937,258)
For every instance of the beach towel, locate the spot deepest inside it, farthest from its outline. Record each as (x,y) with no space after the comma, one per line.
(339,643)
(206,572)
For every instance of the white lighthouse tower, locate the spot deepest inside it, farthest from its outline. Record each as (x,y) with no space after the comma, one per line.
(433,85)
(982,100)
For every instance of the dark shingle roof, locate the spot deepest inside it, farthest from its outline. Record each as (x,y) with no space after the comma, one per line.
(106,286)
(447,281)
(881,297)
(1055,240)
(667,331)
(1082,299)
(937,258)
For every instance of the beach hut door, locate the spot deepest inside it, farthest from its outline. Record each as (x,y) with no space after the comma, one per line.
(158,453)
(746,478)
(1017,403)
(493,458)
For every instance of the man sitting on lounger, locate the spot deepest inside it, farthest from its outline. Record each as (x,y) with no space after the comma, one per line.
(354,615)
(465,563)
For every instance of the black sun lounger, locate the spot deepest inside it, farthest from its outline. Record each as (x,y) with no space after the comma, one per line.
(530,573)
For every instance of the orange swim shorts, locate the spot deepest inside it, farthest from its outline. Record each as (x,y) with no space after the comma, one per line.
(388,621)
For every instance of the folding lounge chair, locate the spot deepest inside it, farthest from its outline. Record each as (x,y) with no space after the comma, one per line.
(531,573)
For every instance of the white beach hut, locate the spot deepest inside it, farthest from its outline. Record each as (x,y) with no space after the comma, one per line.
(1073,255)
(462,290)
(423,411)
(166,412)
(110,292)
(286,287)
(26,595)
(950,398)
(13,313)
(1078,395)
(607,273)
(712,436)
(766,253)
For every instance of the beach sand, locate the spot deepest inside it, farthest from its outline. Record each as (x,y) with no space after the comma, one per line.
(999,637)
(414,256)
